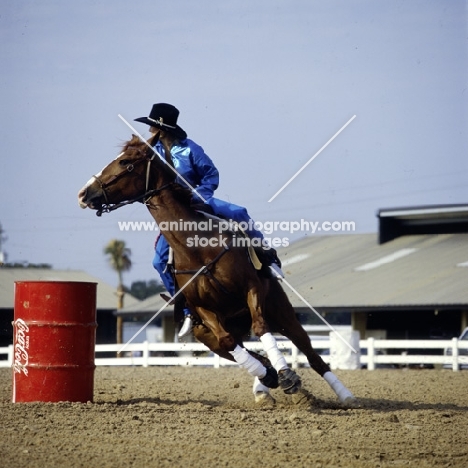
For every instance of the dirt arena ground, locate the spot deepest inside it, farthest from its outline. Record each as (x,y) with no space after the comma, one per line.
(204,417)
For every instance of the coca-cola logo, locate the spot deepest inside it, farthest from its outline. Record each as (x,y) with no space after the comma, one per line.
(21,357)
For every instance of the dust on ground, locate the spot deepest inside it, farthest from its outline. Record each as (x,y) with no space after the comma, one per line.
(206,417)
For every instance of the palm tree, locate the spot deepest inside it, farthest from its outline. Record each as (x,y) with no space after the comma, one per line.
(119,259)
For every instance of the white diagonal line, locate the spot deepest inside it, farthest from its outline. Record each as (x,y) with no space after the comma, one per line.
(159,156)
(280,278)
(312,158)
(387,259)
(161,309)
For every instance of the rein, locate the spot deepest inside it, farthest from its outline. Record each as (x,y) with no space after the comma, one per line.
(107,208)
(207,269)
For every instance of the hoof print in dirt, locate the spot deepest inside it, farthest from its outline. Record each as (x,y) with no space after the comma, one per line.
(289,381)
(302,398)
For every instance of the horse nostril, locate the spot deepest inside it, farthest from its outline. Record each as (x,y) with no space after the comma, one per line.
(82,197)
(82,193)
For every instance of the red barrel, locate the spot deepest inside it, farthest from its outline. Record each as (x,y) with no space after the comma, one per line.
(54,334)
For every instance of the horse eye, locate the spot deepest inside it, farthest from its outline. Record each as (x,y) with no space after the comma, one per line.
(124,162)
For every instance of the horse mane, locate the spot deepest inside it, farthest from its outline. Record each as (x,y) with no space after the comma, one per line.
(181,193)
(135,142)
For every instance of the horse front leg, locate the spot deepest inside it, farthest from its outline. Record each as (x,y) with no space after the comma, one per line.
(208,338)
(226,345)
(261,392)
(289,381)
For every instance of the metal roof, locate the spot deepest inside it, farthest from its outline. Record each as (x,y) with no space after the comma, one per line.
(436,212)
(106,295)
(149,305)
(354,272)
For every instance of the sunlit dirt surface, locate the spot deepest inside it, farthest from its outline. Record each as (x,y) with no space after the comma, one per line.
(205,417)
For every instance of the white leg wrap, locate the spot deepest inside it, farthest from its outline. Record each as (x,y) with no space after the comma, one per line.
(341,391)
(259,387)
(274,354)
(243,358)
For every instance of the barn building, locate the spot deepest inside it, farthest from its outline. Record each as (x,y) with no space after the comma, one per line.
(408,281)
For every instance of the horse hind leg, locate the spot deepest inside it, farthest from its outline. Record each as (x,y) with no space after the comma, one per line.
(289,381)
(300,338)
(302,341)
(282,318)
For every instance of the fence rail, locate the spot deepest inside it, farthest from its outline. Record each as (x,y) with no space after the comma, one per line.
(374,353)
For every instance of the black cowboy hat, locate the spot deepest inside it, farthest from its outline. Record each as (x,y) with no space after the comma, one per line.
(164,116)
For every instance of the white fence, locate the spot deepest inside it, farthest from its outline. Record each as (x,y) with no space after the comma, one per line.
(374,353)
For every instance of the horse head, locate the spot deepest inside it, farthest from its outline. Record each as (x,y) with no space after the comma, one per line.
(134,175)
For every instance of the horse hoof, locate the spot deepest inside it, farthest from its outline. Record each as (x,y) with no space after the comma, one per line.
(351,402)
(264,399)
(290,382)
(271,378)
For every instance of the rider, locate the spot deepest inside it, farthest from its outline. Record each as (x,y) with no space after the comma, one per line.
(195,166)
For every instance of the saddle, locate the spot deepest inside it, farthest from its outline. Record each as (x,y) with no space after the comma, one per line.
(254,252)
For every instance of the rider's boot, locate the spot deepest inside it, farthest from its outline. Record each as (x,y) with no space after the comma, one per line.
(187,325)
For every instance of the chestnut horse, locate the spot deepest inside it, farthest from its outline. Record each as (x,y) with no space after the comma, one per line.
(227,295)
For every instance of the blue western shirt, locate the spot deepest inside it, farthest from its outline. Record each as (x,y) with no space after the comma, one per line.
(195,166)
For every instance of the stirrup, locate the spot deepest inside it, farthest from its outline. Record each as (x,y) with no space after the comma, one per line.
(186,327)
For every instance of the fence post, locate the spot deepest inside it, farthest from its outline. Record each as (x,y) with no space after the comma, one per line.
(216,362)
(455,354)
(370,353)
(145,353)
(294,354)
(10,355)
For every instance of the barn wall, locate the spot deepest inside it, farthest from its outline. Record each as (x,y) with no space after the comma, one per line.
(416,324)
(6,327)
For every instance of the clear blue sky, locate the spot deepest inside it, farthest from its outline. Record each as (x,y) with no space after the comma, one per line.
(261,85)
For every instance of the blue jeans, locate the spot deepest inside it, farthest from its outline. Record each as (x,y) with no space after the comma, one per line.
(160,259)
(237,213)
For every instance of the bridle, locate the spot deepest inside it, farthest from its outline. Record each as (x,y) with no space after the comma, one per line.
(107,207)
